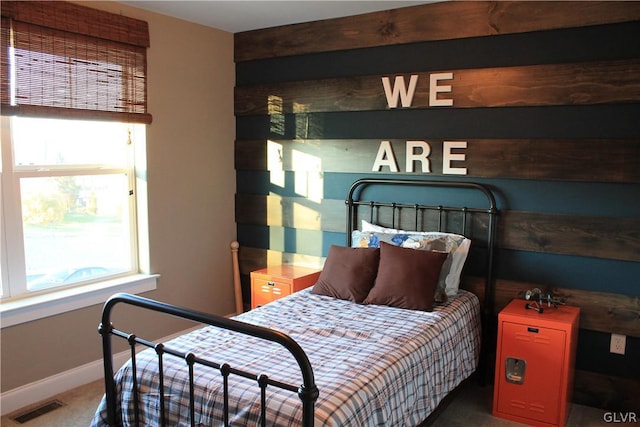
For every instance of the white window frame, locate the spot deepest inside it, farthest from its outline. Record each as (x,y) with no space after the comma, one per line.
(28,307)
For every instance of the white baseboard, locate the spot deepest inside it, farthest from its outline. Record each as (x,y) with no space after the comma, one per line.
(47,388)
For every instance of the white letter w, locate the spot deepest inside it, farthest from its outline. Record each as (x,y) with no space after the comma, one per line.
(399,89)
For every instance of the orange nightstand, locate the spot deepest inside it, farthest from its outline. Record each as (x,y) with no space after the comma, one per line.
(275,282)
(535,361)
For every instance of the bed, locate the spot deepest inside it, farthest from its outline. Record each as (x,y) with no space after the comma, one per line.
(332,354)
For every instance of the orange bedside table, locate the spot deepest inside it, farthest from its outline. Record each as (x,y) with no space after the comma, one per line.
(278,281)
(535,362)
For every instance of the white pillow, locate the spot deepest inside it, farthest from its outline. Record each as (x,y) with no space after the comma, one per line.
(456,245)
(367,226)
(457,263)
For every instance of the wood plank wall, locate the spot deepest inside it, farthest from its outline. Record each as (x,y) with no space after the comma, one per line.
(546,96)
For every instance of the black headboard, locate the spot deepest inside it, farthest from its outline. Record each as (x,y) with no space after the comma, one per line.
(470,210)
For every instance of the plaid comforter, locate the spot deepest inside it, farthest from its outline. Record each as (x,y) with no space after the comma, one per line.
(374,365)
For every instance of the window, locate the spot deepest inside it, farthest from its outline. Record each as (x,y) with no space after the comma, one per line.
(74,109)
(70,188)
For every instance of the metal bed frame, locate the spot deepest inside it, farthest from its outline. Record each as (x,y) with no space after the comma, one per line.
(417,216)
(308,391)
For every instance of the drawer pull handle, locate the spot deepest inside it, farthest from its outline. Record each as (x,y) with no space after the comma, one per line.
(534,330)
(271,283)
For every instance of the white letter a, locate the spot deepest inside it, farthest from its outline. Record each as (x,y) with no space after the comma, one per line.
(385,157)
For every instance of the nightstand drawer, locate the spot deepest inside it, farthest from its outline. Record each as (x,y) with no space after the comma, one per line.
(275,282)
(272,287)
(542,351)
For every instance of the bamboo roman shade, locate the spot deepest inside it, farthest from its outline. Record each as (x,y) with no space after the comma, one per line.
(64,60)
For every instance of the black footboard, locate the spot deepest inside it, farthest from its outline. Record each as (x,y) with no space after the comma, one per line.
(307,392)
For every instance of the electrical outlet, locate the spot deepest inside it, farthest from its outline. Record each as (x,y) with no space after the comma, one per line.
(618,343)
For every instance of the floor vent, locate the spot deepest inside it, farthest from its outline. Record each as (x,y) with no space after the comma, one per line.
(38,411)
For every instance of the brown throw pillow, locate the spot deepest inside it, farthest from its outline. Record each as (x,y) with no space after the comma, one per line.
(407,278)
(348,273)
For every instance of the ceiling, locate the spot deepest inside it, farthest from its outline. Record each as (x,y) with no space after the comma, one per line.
(244,15)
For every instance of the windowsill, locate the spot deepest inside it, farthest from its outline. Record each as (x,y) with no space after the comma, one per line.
(39,306)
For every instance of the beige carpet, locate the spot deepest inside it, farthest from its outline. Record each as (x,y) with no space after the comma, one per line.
(472,407)
(78,407)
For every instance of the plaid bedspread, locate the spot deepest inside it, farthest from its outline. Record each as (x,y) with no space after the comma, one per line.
(374,365)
